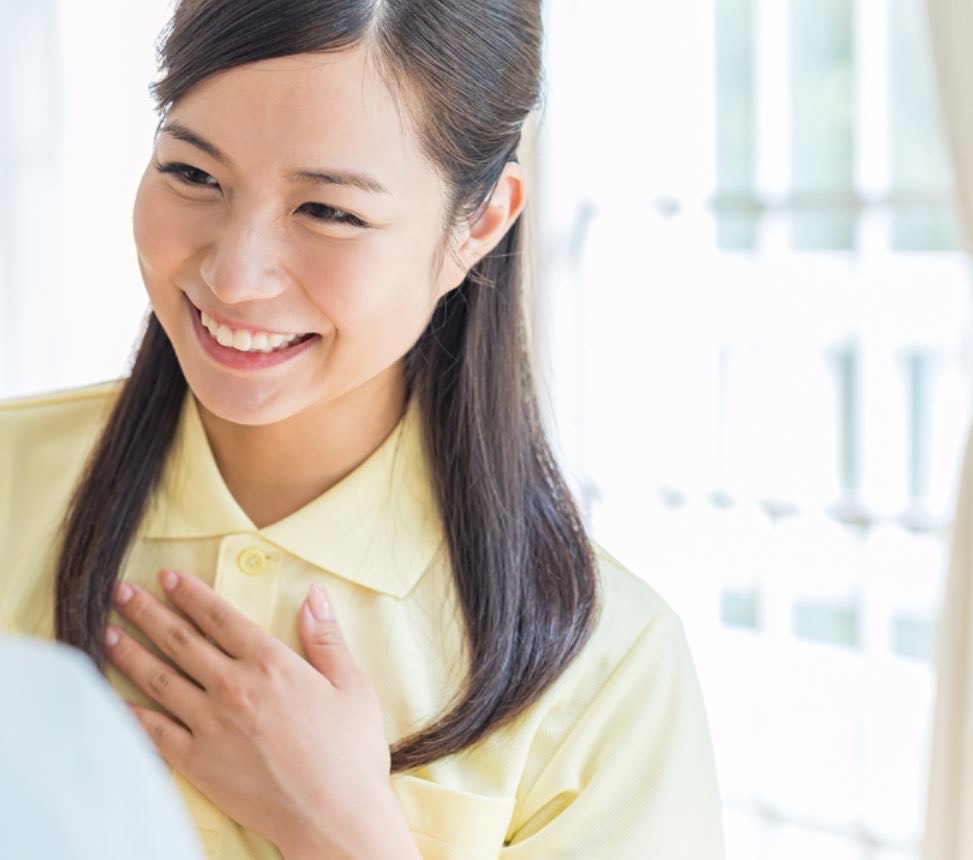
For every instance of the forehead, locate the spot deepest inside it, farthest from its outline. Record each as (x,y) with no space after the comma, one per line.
(305,111)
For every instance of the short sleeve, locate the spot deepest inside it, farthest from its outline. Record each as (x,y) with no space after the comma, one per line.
(635,777)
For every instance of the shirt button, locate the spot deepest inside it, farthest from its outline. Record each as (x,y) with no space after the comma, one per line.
(251,560)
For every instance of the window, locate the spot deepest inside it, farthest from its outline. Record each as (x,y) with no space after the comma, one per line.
(760,374)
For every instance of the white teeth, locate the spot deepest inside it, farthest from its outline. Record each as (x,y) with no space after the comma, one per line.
(224,336)
(245,341)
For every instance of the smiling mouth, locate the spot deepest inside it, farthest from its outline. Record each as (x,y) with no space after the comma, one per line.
(246,340)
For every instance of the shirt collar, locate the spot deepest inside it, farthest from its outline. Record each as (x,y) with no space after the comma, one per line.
(378,526)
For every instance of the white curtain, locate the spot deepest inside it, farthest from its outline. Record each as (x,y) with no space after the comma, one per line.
(76,125)
(949,812)
(31,203)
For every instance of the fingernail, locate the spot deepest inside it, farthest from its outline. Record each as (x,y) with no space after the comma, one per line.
(111,636)
(123,593)
(320,606)
(170,579)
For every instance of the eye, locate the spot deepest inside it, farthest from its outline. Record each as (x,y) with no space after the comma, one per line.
(184,172)
(189,175)
(329,213)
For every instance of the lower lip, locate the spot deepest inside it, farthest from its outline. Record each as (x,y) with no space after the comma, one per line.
(244,360)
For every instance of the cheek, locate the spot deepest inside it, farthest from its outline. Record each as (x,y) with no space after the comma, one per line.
(374,288)
(164,236)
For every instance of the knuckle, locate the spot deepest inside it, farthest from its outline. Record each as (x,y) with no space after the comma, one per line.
(138,604)
(120,650)
(159,680)
(177,638)
(124,651)
(208,726)
(234,691)
(330,636)
(218,615)
(268,663)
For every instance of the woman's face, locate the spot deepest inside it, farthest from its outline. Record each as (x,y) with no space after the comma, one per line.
(233,230)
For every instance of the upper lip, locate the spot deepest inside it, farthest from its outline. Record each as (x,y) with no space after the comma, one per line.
(243,326)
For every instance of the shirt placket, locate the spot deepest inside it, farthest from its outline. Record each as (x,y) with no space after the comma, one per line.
(248,576)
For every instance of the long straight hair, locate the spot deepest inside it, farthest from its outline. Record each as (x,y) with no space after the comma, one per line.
(524,569)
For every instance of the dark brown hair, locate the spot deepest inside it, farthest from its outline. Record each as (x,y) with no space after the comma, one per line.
(524,569)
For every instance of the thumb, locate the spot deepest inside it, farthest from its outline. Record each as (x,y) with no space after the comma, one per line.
(324,643)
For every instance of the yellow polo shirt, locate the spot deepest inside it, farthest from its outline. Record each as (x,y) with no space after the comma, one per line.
(615,759)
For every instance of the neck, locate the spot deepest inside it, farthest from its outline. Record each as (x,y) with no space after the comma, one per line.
(275,469)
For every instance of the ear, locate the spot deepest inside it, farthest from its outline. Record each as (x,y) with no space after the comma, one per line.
(478,238)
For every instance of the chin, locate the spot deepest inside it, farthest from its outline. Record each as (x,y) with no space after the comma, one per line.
(241,397)
(240,401)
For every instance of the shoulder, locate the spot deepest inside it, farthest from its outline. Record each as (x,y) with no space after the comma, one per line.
(636,637)
(637,641)
(52,429)
(624,729)
(31,411)
(629,599)
(629,606)
(44,443)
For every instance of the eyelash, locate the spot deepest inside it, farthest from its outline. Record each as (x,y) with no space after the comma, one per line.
(181,171)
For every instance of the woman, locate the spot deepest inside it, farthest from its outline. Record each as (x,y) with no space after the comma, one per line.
(333,388)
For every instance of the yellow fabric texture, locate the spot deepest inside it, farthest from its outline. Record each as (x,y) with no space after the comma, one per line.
(615,760)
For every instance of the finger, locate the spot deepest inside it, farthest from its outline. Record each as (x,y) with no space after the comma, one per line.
(170,739)
(156,678)
(323,640)
(229,628)
(176,637)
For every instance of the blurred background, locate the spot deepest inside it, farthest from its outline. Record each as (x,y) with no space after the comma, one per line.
(753,315)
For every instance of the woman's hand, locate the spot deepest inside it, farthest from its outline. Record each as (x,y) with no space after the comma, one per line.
(292,749)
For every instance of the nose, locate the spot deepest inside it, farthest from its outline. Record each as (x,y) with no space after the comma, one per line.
(244,262)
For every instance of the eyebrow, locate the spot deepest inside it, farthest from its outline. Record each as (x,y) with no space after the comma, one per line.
(326,177)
